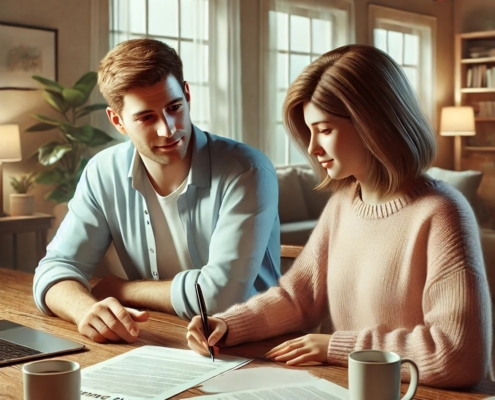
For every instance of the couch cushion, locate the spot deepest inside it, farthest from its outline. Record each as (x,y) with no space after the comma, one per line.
(291,203)
(315,200)
(466,182)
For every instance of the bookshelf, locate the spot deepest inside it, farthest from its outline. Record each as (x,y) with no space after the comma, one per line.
(475,86)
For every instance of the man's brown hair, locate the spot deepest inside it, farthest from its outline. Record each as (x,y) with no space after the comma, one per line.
(136,63)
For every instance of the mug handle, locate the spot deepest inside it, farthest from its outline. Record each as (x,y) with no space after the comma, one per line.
(413,383)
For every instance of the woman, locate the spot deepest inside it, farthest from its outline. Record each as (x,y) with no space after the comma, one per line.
(395,260)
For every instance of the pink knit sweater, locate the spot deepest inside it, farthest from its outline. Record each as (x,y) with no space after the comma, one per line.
(406,276)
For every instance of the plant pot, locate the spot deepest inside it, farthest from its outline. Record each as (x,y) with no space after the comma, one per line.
(21,204)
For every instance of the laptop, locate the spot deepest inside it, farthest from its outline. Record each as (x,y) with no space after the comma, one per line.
(20,343)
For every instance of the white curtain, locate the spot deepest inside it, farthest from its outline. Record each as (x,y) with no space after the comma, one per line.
(216,103)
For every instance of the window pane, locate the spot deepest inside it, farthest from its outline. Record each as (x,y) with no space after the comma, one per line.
(198,29)
(137,16)
(295,156)
(282,71)
(395,44)
(282,138)
(195,61)
(297,64)
(322,36)
(411,50)
(380,39)
(282,30)
(163,17)
(412,75)
(299,33)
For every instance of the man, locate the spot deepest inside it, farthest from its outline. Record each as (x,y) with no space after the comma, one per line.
(181,206)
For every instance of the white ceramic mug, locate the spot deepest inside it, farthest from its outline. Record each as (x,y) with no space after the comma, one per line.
(375,374)
(52,380)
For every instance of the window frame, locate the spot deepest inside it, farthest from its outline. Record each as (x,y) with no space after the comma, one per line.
(425,27)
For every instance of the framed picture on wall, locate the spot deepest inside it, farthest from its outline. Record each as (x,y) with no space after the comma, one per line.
(26,51)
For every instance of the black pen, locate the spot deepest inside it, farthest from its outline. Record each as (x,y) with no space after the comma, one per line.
(204,317)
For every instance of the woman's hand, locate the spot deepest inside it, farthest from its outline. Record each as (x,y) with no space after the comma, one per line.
(313,347)
(196,337)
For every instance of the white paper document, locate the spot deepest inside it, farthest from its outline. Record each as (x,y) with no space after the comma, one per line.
(320,389)
(152,373)
(256,378)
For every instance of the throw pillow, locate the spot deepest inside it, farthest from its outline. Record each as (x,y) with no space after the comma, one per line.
(466,182)
(291,204)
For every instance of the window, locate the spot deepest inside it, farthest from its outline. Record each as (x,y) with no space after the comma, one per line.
(172,22)
(206,34)
(409,39)
(296,35)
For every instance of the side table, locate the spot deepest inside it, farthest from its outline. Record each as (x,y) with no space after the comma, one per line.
(38,223)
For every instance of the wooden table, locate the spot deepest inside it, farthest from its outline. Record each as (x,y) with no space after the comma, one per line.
(16,304)
(37,223)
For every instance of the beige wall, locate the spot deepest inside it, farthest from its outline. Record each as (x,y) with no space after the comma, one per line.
(474,15)
(72,19)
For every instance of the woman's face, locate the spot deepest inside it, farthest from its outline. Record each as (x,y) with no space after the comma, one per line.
(336,144)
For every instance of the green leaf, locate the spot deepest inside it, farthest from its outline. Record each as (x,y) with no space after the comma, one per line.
(48,83)
(48,120)
(82,165)
(51,152)
(87,82)
(56,100)
(62,193)
(40,127)
(88,109)
(81,134)
(99,138)
(74,97)
(49,176)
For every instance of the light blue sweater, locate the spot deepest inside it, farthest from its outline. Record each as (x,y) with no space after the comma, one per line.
(228,211)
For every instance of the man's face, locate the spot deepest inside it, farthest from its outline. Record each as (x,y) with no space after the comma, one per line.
(157,120)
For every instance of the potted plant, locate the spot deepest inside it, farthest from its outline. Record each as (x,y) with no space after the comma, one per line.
(66,157)
(22,203)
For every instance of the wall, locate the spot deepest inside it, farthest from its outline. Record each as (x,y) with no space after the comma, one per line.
(72,19)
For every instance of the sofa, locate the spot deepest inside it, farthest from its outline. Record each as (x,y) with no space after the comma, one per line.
(299,204)
(300,207)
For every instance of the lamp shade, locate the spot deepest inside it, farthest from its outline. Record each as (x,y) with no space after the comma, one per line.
(10,143)
(457,121)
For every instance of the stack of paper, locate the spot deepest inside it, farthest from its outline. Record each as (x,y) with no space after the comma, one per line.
(152,373)
(271,383)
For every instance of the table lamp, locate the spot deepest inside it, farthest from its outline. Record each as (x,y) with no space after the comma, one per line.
(10,151)
(457,121)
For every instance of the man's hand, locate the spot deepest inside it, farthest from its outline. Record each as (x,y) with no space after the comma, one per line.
(196,337)
(108,320)
(101,321)
(313,347)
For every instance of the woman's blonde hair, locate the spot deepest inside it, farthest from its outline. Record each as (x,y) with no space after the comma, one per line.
(365,85)
(136,63)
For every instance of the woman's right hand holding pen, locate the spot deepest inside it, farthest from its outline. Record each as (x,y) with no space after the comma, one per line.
(196,338)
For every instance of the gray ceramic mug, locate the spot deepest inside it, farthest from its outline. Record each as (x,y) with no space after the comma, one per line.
(52,380)
(375,374)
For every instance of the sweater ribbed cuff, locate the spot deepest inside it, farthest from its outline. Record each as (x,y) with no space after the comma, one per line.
(341,344)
